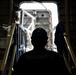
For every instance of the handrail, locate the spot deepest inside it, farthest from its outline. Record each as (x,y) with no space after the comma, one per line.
(4,61)
(12,60)
(66,61)
(70,49)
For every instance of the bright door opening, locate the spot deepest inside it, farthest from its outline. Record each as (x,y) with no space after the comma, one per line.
(43,9)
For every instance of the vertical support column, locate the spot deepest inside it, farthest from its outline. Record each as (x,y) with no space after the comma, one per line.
(18,43)
(67,17)
(22,19)
(49,45)
(34,20)
(10,12)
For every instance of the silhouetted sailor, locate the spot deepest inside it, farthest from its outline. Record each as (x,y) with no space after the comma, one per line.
(40,60)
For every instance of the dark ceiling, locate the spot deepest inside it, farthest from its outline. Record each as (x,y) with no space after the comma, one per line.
(18,1)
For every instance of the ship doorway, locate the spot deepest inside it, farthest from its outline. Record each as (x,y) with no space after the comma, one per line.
(39,14)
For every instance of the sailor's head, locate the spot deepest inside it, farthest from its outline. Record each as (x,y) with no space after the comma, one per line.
(39,37)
